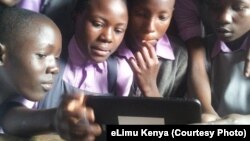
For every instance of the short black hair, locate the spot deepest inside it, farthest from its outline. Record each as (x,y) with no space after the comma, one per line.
(15,23)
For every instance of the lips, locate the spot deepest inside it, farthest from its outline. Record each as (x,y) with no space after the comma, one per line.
(224,32)
(152,42)
(222,29)
(100,51)
(47,86)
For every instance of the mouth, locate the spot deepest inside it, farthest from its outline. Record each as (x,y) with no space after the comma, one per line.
(153,42)
(100,51)
(47,86)
(225,32)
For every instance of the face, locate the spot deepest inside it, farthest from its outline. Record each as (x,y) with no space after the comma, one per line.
(150,19)
(232,18)
(32,65)
(100,29)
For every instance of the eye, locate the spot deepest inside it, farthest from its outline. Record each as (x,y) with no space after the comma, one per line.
(119,30)
(57,60)
(163,17)
(239,7)
(41,56)
(97,24)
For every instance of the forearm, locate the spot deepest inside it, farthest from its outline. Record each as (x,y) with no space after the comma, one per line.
(198,85)
(197,74)
(24,122)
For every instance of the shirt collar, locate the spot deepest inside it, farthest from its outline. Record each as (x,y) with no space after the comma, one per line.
(163,49)
(124,51)
(76,57)
(220,46)
(25,102)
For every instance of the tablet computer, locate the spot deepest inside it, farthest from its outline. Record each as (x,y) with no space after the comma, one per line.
(111,110)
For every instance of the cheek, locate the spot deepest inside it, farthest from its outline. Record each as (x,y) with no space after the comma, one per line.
(246,24)
(27,73)
(37,68)
(26,67)
(90,34)
(162,28)
(242,25)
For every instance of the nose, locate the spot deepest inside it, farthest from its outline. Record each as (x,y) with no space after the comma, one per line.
(150,25)
(52,65)
(107,35)
(225,16)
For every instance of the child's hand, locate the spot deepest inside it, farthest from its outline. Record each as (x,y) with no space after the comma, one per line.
(208,117)
(74,121)
(146,66)
(247,65)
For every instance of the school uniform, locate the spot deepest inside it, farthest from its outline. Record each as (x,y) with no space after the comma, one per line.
(171,79)
(33,5)
(85,75)
(230,88)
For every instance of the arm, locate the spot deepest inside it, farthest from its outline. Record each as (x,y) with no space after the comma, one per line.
(189,25)
(198,82)
(21,121)
(71,120)
(146,66)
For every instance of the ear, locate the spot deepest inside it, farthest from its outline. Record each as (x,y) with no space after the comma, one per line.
(2,54)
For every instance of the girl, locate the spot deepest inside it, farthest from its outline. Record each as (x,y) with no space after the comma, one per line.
(160,61)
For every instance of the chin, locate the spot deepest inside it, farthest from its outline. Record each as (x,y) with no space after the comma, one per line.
(99,59)
(226,39)
(35,96)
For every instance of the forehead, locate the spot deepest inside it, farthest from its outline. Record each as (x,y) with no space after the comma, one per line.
(156,4)
(39,35)
(114,11)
